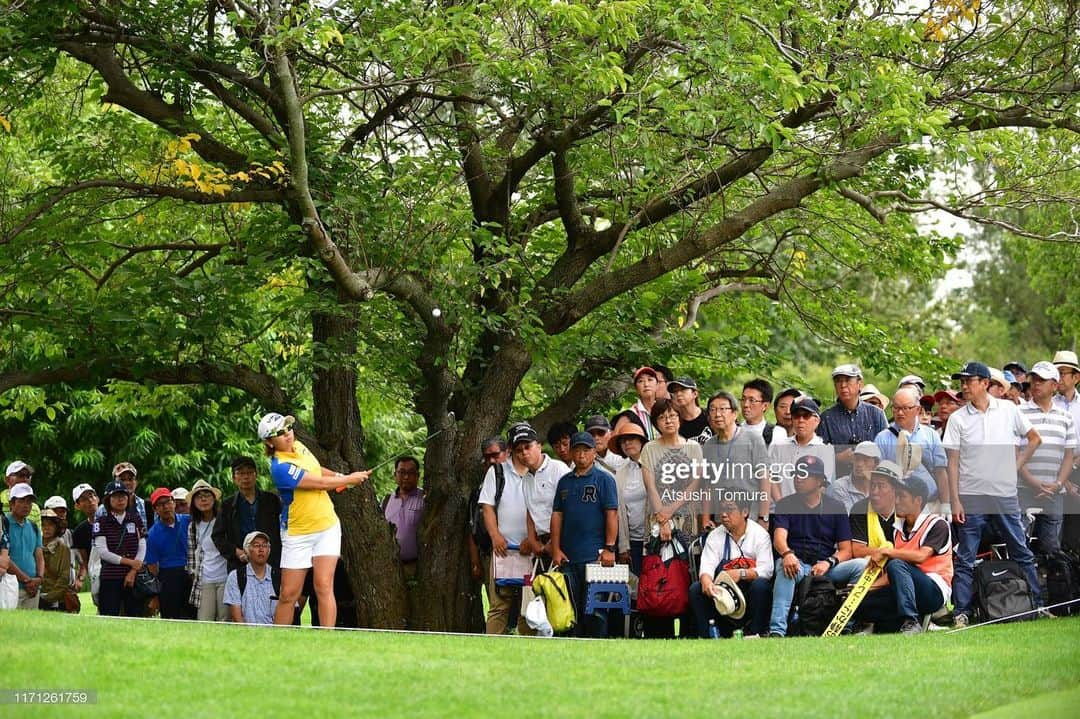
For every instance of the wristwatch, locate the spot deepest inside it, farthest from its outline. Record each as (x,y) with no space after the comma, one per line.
(742,575)
(609,548)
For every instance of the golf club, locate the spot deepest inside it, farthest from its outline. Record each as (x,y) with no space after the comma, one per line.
(393,458)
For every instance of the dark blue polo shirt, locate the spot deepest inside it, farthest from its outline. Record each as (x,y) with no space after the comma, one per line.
(841,427)
(812,533)
(167,546)
(583,501)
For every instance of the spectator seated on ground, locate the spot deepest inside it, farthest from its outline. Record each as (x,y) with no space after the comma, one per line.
(812,535)
(855,487)
(919,562)
(740,550)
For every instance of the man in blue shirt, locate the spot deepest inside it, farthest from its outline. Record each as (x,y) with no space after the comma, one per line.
(584,525)
(812,535)
(166,555)
(929,465)
(24,539)
(850,420)
(253,600)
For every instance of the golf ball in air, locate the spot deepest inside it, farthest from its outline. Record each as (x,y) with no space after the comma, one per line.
(436,312)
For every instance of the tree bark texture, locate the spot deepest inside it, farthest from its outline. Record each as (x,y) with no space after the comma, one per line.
(368,546)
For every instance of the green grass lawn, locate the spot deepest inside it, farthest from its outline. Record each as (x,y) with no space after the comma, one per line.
(157,668)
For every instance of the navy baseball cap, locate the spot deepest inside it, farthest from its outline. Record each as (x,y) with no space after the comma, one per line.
(805,404)
(582,438)
(810,466)
(973,369)
(1014,365)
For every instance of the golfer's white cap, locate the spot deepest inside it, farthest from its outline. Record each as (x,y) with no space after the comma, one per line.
(272,423)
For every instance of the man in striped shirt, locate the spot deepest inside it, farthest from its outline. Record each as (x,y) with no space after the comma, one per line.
(1043,478)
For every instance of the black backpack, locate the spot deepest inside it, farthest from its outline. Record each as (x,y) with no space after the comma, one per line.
(476,521)
(275,579)
(1001,590)
(816,603)
(1062,572)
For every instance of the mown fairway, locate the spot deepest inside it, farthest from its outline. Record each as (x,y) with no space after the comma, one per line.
(157,668)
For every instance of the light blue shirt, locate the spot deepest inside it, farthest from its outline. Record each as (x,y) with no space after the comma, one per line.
(259,601)
(933,453)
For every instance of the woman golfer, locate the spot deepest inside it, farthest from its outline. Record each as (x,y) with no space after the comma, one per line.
(310,531)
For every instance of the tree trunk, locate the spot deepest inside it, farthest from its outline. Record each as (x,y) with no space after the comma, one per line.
(451,599)
(368,546)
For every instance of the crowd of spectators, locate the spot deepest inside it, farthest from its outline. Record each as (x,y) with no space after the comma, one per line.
(917,481)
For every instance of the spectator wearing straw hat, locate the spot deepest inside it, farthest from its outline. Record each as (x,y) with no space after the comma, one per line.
(1067,397)
(736,562)
(633,497)
(207,566)
(57,577)
(872,395)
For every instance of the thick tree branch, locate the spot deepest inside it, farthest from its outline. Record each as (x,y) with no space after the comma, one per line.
(326,250)
(172,119)
(864,202)
(137,190)
(566,198)
(695,303)
(360,134)
(559,316)
(262,387)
